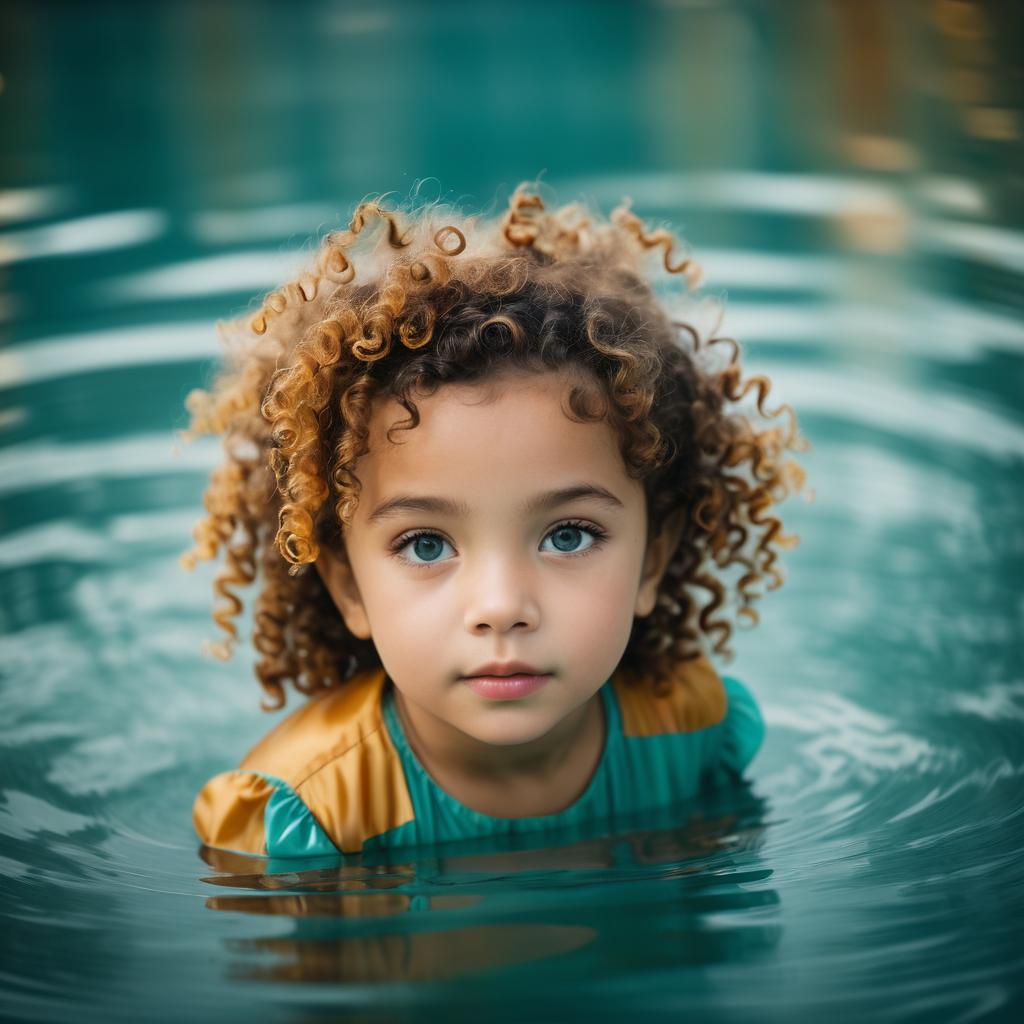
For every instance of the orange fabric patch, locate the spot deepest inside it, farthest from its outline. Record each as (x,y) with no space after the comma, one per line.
(335,752)
(696,700)
(228,812)
(361,793)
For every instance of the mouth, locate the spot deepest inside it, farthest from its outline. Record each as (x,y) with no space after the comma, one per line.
(494,669)
(508,687)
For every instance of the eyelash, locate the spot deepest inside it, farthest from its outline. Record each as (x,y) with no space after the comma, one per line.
(407,538)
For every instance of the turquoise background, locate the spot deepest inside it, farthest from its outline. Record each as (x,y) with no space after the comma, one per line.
(849,176)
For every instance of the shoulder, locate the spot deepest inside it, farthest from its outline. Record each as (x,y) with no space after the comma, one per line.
(325,727)
(325,778)
(743,729)
(696,698)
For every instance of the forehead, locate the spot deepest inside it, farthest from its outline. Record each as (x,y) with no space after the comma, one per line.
(487,442)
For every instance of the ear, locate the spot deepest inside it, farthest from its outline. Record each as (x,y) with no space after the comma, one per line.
(659,554)
(336,572)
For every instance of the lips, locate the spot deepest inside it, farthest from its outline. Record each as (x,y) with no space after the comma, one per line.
(505,668)
(514,687)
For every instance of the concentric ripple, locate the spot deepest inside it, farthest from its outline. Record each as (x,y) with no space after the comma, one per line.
(873,867)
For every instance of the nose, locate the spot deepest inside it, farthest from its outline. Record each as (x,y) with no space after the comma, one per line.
(501,596)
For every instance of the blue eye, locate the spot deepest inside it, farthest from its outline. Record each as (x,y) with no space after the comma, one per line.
(427,545)
(568,534)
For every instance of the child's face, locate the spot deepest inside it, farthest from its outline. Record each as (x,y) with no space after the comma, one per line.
(498,582)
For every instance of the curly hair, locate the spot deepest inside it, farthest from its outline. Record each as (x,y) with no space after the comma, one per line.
(436,297)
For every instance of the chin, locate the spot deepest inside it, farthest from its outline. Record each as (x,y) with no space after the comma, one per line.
(509,734)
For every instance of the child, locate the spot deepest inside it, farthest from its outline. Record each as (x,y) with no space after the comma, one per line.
(489,485)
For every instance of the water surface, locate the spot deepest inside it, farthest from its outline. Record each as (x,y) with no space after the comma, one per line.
(842,172)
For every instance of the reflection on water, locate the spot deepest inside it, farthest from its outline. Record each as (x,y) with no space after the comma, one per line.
(845,174)
(412,956)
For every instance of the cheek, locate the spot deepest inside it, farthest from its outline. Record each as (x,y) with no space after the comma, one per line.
(410,615)
(404,609)
(604,604)
(610,604)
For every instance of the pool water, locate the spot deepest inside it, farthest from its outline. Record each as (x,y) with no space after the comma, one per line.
(843,173)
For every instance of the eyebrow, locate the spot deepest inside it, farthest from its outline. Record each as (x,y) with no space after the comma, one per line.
(539,503)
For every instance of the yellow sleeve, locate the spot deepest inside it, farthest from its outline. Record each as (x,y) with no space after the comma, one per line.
(229,812)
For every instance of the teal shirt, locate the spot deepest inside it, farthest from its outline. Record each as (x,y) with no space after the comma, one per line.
(635,773)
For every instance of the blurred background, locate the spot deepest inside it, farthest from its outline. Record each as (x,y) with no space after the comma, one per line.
(848,173)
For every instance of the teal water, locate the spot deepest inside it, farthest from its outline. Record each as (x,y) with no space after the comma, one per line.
(848,174)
